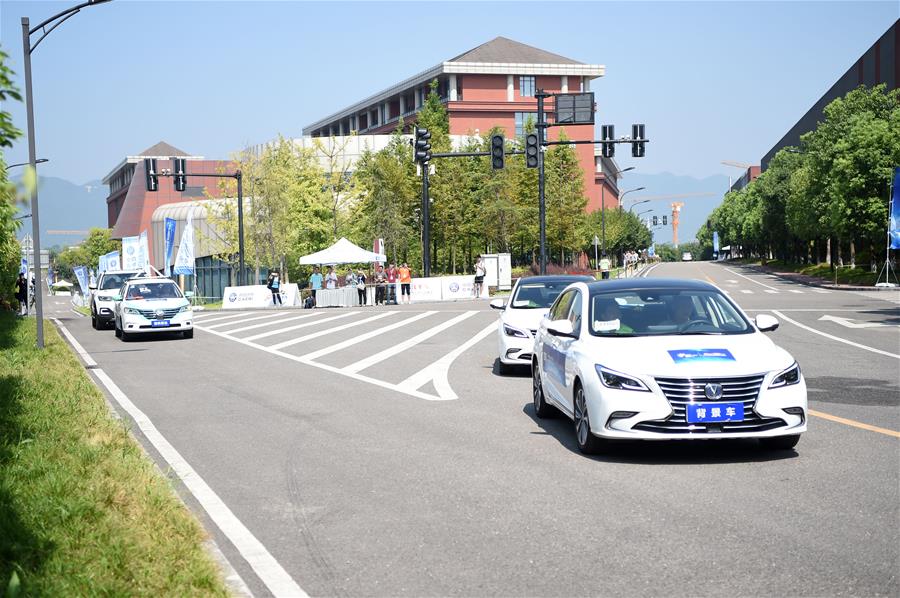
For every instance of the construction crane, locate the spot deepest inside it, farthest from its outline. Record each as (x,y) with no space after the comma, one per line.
(676,210)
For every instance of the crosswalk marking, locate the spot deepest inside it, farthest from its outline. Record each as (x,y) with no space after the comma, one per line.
(400,347)
(364,337)
(747,291)
(795,291)
(270,323)
(265,317)
(771,291)
(298,326)
(217,317)
(820,291)
(295,341)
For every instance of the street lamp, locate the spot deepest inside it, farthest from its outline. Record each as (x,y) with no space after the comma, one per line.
(38,161)
(603,211)
(44,28)
(637,203)
(644,212)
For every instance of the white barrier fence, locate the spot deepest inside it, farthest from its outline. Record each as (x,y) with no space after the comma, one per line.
(258,296)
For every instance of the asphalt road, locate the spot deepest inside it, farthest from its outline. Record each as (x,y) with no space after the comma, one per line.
(404,465)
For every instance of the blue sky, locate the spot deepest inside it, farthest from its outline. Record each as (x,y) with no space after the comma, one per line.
(712,80)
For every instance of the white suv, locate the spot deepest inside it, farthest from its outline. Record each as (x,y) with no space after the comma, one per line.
(155,304)
(102,294)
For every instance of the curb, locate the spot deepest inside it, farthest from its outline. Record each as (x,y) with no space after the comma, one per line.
(816,282)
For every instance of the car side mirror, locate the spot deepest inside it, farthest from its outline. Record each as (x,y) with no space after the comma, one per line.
(766,323)
(498,304)
(92,287)
(189,294)
(117,298)
(562,328)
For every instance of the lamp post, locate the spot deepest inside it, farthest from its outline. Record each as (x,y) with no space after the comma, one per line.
(38,161)
(603,211)
(45,27)
(637,203)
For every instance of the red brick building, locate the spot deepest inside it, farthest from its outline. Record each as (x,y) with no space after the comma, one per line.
(129,206)
(492,85)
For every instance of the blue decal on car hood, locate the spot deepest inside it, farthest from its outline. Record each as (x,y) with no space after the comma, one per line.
(688,355)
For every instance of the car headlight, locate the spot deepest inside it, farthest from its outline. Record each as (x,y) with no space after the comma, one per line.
(184,308)
(619,381)
(131,310)
(104,298)
(510,331)
(787,377)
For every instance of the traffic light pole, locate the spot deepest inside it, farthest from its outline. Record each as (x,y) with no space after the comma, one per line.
(426,223)
(542,207)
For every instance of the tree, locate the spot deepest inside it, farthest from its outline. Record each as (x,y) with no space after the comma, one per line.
(9,246)
(565,199)
(87,253)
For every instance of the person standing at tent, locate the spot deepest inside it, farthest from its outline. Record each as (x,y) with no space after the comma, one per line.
(392,276)
(315,283)
(274,285)
(380,281)
(361,286)
(331,278)
(405,282)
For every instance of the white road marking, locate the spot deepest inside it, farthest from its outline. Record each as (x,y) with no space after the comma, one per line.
(270,572)
(270,323)
(772,292)
(836,338)
(77,313)
(364,337)
(731,281)
(848,323)
(298,326)
(822,291)
(300,339)
(794,291)
(253,319)
(407,344)
(750,279)
(439,371)
(218,317)
(747,291)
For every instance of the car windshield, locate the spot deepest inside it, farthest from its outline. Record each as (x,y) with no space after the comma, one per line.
(153,290)
(537,295)
(666,311)
(114,281)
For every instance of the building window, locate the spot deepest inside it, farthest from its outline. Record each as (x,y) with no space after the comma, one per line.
(526,86)
(525,122)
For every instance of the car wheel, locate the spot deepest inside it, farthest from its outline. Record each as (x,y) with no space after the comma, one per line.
(118,330)
(587,442)
(124,336)
(94,324)
(541,408)
(779,443)
(188,333)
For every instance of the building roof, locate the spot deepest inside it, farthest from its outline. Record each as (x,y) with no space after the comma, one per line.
(500,56)
(163,149)
(502,49)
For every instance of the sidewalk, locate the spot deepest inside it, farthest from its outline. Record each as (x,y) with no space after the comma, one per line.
(814,281)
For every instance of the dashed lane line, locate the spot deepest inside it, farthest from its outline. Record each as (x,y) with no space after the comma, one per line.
(364,337)
(327,331)
(266,567)
(836,338)
(771,292)
(854,423)
(297,326)
(407,344)
(747,291)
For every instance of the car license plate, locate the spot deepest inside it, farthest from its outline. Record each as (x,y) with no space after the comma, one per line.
(160,323)
(714,412)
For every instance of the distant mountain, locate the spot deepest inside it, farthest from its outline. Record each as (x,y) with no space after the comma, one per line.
(65,206)
(695,210)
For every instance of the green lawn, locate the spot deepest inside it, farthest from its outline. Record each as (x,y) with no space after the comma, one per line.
(83,511)
(845,274)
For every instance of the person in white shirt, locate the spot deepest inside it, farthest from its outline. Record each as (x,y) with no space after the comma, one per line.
(331,279)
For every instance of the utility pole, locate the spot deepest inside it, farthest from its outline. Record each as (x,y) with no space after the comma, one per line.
(542,207)
(426,223)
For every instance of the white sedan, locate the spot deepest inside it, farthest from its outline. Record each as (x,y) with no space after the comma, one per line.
(528,303)
(152,305)
(654,359)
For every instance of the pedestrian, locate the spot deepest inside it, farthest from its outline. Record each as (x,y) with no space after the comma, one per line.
(480,272)
(380,282)
(361,286)
(405,281)
(350,278)
(274,285)
(315,282)
(331,278)
(604,268)
(22,294)
(392,276)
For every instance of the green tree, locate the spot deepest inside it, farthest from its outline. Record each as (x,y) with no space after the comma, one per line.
(87,253)
(9,246)
(565,199)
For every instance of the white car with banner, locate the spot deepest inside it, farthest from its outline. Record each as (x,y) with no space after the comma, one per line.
(528,303)
(103,295)
(657,359)
(152,305)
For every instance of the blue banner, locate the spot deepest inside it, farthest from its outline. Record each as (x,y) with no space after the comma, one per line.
(81,273)
(170,243)
(23,267)
(894,228)
(715,241)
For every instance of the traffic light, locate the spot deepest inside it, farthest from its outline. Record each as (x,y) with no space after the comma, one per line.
(655,220)
(607,134)
(665,220)
(151,174)
(422,152)
(531,150)
(180,180)
(637,147)
(498,146)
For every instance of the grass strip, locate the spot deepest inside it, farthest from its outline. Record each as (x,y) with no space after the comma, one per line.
(845,275)
(83,511)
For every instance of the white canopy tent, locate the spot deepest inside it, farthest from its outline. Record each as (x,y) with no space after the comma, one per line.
(343,252)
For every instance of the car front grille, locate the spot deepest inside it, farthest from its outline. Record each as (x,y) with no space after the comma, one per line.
(681,391)
(150,314)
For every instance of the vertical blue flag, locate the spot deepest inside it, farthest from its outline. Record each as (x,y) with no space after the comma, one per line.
(894,227)
(170,243)
(716,242)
